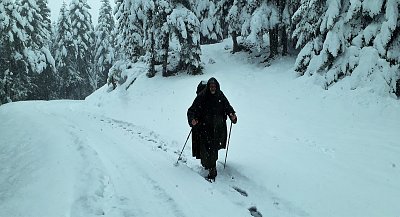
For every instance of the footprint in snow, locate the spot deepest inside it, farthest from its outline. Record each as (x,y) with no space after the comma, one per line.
(241,191)
(254,212)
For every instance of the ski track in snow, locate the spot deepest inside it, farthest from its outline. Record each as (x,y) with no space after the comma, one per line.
(107,152)
(229,182)
(96,187)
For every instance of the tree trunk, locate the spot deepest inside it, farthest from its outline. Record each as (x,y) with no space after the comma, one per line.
(150,31)
(273,42)
(284,40)
(235,47)
(165,47)
(152,70)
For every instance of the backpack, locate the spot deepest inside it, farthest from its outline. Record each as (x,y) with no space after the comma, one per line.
(202,85)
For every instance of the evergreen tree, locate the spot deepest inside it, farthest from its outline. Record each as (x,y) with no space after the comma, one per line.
(150,35)
(65,56)
(236,18)
(53,35)
(104,51)
(145,29)
(157,35)
(37,36)
(307,19)
(121,24)
(15,83)
(288,26)
(210,27)
(281,29)
(256,19)
(143,32)
(349,39)
(130,17)
(83,40)
(263,19)
(163,34)
(43,73)
(184,24)
(44,11)
(222,12)
(185,3)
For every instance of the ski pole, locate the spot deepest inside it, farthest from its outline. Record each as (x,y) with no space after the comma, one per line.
(227,146)
(184,146)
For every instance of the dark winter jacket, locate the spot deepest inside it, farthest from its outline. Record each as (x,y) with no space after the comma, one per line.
(211,111)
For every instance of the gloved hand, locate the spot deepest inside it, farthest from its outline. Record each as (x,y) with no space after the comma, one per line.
(233,117)
(194,122)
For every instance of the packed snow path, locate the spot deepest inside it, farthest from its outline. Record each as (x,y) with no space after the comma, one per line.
(90,165)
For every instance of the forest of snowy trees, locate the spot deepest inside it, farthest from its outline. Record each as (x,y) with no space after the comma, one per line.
(70,58)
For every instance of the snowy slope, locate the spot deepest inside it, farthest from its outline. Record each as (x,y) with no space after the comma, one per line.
(297,150)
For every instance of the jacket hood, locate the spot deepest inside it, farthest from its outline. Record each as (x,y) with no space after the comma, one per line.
(212,81)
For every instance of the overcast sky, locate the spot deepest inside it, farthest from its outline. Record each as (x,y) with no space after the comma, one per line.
(95,5)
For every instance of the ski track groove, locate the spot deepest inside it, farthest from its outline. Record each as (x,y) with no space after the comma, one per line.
(90,198)
(98,198)
(231,178)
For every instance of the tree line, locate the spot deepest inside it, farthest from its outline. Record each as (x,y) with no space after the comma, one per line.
(332,40)
(42,61)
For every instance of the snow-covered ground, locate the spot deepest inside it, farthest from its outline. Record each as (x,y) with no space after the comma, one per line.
(297,150)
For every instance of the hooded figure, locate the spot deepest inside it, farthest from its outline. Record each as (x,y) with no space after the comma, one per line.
(207,117)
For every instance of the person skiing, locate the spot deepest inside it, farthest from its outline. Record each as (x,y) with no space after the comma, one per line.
(207,116)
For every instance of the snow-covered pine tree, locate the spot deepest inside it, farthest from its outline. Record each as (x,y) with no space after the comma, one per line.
(393,45)
(104,50)
(185,3)
(256,19)
(130,17)
(236,17)
(307,19)
(65,56)
(149,35)
(83,39)
(264,19)
(44,11)
(48,80)
(280,36)
(287,26)
(53,42)
(129,43)
(222,11)
(15,84)
(156,35)
(34,26)
(184,25)
(210,27)
(349,39)
(42,70)
(121,24)
(50,26)
(163,34)
(387,42)
(381,72)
